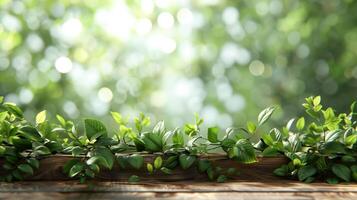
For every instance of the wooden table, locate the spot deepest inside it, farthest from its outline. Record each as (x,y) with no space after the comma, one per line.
(193,190)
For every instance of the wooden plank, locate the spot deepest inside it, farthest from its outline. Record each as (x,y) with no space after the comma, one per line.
(183,186)
(190,196)
(51,170)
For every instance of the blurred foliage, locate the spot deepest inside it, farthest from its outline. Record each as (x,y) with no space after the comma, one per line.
(223,59)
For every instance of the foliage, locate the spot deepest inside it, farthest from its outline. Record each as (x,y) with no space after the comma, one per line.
(324,148)
(22,145)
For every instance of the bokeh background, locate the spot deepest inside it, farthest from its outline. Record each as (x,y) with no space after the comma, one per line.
(225,60)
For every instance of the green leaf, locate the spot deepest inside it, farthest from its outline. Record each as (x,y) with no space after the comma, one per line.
(300,124)
(354,111)
(332,180)
(270,152)
(348,159)
(177,138)
(290,124)
(41,117)
(351,139)
(306,172)
(203,165)
(332,136)
(251,127)
(265,115)
(159,128)
(76,151)
(190,130)
(210,173)
(3,116)
(321,164)
(166,170)
(354,172)
(136,161)
(158,162)
(117,117)
(16,174)
(69,164)
(76,169)
(333,147)
(243,151)
(42,150)
(106,154)
(33,162)
(153,142)
(342,172)
(61,120)
(221,178)
(316,101)
(30,133)
(13,109)
(1,99)
(26,168)
(94,129)
(134,179)
(213,134)
(281,171)
(186,161)
(150,168)
(100,160)
(89,173)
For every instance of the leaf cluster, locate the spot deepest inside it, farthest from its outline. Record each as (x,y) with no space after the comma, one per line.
(322,146)
(94,149)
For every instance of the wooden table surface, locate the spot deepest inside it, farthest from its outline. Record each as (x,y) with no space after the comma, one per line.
(192,190)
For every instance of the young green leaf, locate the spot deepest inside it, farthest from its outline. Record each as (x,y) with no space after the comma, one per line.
(41,117)
(177,138)
(317,100)
(351,139)
(117,117)
(61,120)
(251,127)
(158,162)
(213,134)
(150,168)
(300,124)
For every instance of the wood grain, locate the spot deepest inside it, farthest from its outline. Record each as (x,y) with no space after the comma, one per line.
(51,170)
(255,182)
(180,190)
